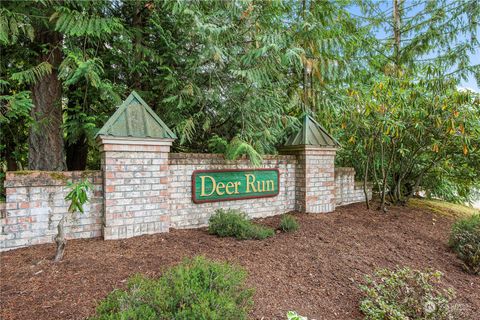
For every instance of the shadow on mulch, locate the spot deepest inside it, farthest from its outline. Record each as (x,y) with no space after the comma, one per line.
(315,271)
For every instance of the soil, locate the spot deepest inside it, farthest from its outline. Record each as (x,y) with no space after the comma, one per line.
(315,271)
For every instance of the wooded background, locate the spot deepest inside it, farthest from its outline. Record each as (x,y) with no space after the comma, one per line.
(233,77)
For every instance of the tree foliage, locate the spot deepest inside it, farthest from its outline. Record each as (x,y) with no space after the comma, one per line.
(232,77)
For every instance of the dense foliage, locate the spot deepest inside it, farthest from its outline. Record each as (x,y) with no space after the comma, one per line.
(407,294)
(232,77)
(233,223)
(196,289)
(465,241)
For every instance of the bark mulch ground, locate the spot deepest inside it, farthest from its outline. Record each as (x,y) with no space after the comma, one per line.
(315,271)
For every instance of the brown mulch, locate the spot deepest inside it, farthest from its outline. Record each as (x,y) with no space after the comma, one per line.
(315,271)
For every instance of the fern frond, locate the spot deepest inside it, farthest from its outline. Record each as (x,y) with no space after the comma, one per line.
(186,130)
(238,147)
(34,74)
(12,25)
(77,24)
(217,144)
(74,68)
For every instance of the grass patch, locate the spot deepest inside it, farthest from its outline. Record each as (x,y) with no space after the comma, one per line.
(234,223)
(288,223)
(443,208)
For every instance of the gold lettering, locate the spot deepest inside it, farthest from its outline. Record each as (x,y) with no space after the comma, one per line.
(220,187)
(260,188)
(250,183)
(270,185)
(203,194)
(236,187)
(228,186)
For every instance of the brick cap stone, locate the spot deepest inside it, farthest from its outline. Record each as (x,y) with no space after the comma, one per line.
(134,141)
(47,178)
(344,170)
(300,148)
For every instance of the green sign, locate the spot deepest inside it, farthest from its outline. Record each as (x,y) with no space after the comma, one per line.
(224,185)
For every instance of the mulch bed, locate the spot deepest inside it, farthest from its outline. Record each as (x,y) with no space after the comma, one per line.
(315,271)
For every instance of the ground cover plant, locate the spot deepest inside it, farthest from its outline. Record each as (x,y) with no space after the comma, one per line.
(288,223)
(465,241)
(407,294)
(234,223)
(197,288)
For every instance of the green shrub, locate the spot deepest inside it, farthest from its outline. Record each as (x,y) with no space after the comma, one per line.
(407,294)
(195,289)
(288,223)
(465,241)
(233,223)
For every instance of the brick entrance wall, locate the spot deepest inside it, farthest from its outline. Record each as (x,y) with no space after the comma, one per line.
(145,189)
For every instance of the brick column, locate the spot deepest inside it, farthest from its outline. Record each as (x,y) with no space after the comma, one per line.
(135,186)
(314,178)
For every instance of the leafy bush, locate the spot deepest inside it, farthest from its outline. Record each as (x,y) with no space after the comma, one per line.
(407,294)
(288,223)
(465,241)
(234,223)
(196,289)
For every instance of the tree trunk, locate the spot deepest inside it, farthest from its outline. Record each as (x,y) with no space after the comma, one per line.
(60,240)
(396,31)
(385,174)
(365,178)
(46,135)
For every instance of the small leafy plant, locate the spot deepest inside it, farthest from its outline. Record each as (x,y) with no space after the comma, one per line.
(292,315)
(465,241)
(288,223)
(407,294)
(196,289)
(78,197)
(234,223)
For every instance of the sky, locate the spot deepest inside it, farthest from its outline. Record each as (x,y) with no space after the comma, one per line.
(469,83)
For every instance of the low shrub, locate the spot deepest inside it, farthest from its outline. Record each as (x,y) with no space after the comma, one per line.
(196,289)
(288,223)
(407,294)
(234,223)
(465,241)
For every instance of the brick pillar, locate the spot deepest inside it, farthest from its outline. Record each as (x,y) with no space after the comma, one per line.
(135,186)
(314,178)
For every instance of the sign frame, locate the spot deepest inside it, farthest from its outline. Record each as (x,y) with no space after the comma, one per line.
(199,201)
